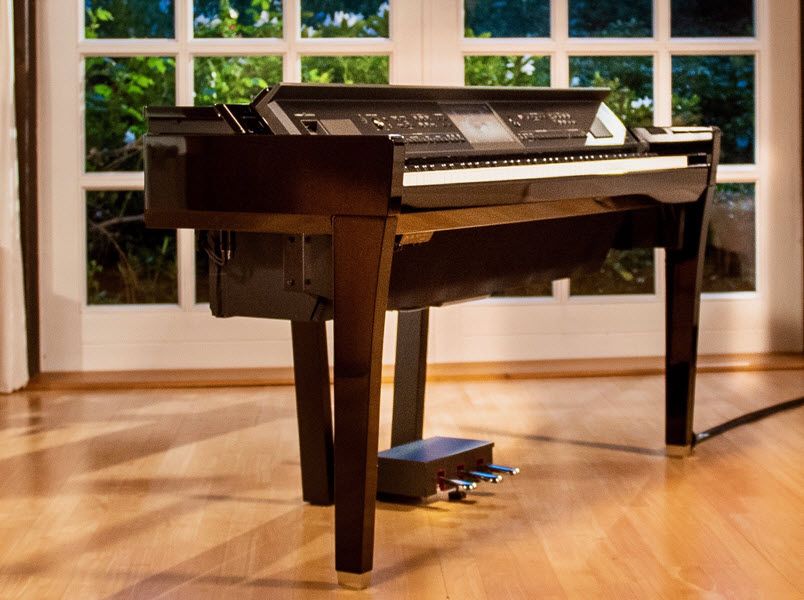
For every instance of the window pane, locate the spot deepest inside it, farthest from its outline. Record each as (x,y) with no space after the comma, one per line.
(507,18)
(228,79)
(507,70)
(512,70)
(730,264)
(630,79)
(117,91)
(345,69)
(234,78)
(237,18)
(623,272)
(128,19)
(127,263)
(713,18)
(611,18)
(344,18)
(717,90)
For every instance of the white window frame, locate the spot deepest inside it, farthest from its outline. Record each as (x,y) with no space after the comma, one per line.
(426,45)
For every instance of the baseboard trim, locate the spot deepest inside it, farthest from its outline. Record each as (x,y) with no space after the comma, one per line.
(477,371)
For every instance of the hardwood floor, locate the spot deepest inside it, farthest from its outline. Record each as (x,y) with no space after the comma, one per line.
(196,494)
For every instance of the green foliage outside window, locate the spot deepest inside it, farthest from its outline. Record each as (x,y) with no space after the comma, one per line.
(610,18)
(234,78)
(127,263)
(117,90)
(507,70)
(344,18)
(237,18)
(128,18)
(345,69)
(717,90)
(507,18)
(630,79)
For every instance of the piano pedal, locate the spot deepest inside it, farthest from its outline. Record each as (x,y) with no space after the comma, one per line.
(501,469)
(422,468)
(463,485)
(484,476)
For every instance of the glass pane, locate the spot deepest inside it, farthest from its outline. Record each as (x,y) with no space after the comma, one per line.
(344,69)
(713,18)
(237,18)
(507,18)
(228,79)
(623,272)
(127,263)
(128,19)
(730,264)
(507,70)
(117,91)
(630,79)
(234,78)
(717,90)
(611,18)
(344,18)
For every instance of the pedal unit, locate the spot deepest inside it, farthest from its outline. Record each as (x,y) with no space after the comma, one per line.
(423,468)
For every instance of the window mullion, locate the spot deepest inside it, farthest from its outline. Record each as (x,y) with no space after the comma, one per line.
(662,106)
(185,238)
(662,65)
(291,22)
(559,32)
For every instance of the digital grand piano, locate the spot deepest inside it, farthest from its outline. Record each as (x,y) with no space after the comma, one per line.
(344,202)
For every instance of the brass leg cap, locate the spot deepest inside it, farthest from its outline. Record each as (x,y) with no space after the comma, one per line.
(354,581)
(674,451)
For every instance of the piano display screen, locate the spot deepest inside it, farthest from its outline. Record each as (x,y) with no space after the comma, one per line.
(481,126)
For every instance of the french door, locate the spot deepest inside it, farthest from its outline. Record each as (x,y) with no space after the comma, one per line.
(117,296)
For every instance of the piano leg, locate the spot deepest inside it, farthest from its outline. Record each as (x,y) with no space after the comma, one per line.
(409,376)
(313,412)
(684,272)
(362,249)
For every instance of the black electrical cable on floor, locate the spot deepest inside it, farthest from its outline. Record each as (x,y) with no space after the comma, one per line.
(746,418)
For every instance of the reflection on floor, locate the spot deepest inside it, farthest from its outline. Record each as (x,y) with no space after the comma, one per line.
(196,494)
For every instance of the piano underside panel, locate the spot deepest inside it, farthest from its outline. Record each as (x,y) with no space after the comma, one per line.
(261,280)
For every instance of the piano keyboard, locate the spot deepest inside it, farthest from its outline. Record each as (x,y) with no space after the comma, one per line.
(482,172)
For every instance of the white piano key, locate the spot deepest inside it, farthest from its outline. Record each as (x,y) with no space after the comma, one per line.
(619,166)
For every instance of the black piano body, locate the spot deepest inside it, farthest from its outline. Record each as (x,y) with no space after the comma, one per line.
(342,202)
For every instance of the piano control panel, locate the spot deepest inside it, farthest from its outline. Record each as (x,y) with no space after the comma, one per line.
(455,123)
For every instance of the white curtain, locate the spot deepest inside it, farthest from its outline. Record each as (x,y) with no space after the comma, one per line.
(13,352)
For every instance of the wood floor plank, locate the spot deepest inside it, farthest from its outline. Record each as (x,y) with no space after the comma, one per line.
(196,493)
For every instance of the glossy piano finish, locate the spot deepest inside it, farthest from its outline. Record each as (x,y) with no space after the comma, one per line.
(321,226)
